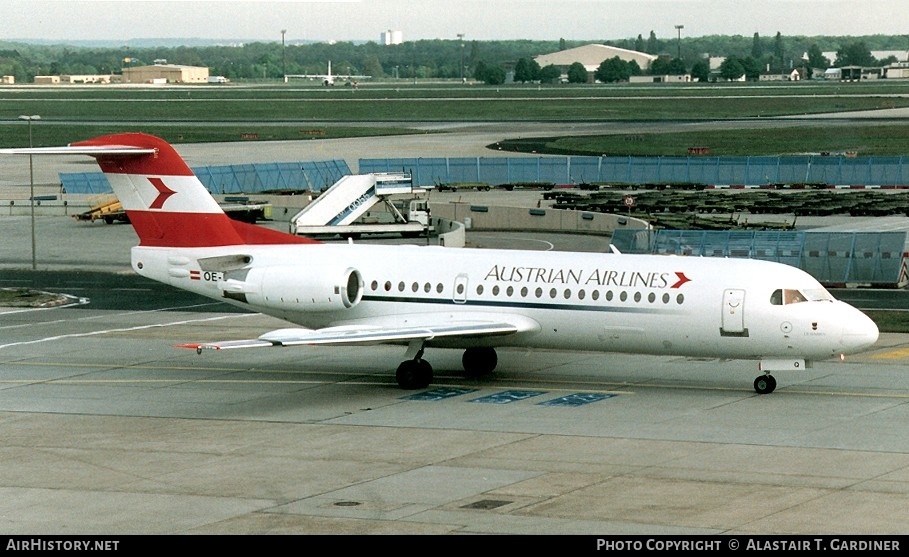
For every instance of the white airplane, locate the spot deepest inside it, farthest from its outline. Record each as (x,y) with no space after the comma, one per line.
(327,79)
(472,299)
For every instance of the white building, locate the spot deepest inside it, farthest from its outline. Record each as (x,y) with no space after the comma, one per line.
(591,56)
(391,37)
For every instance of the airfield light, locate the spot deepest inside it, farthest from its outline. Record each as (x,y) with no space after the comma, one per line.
(461,39)
(283,55)
(679,29)
(31,174)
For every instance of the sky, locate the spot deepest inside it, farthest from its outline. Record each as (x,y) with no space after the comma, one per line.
(358,20)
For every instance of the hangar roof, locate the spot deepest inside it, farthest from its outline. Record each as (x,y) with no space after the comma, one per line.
(592,55)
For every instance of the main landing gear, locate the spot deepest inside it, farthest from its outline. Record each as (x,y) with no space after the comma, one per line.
(416,373)
(764,384)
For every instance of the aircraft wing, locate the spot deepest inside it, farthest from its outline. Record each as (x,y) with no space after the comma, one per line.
(377,333)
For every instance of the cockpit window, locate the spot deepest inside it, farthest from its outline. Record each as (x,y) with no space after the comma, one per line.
(786,296)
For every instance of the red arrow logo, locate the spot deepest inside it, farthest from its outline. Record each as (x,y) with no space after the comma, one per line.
(163,193)
(682,280)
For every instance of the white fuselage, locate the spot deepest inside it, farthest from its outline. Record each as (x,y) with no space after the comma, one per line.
(652,304)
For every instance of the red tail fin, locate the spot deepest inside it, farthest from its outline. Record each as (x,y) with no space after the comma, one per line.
(166,203)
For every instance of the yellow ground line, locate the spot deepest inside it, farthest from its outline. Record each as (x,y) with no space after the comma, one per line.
(892,354)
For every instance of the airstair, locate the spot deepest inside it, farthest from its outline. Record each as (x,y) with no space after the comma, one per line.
(352,196)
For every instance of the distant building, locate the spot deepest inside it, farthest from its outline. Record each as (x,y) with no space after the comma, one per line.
(88,78)
(897,71)
(591,56)
(391,37)
(47,79)
(8,79)
(165,73)
(900,55)
(686,78)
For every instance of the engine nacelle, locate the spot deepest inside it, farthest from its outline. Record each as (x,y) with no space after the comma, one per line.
(305,288)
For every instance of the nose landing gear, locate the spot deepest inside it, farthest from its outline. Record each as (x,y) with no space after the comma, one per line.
(764,384)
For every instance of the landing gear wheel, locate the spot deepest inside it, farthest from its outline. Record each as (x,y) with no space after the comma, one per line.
(478,362)
(765,384)
(414,374)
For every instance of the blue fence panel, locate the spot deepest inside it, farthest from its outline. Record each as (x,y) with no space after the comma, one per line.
(890,171)
(702,171)
(493,170)
(615,169)
(729,170)
(228,179)
(520,170)
(823,170)
(427,172)
(430,172)
(581,170)
(833,258)
(463,170)
(855,172)
(84,183)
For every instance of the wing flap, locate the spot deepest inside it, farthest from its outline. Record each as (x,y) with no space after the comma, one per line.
(368,333)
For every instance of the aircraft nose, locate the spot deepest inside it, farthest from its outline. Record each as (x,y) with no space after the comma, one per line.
(859,332)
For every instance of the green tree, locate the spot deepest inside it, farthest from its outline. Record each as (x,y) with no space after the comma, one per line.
(731,69)
(676,66)
(660,66)
(816,58)
(757,47)
(526,70)
(495,75)
(550,74)
(854,54)
(577,73)
(700,71)
(612,70)
(779,52)
(373,67)
(639,44)
(653,45)
(752,69)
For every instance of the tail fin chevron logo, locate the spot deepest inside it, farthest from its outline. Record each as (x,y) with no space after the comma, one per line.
(163,193)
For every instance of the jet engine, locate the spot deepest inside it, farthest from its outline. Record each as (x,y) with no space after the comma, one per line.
(306,288)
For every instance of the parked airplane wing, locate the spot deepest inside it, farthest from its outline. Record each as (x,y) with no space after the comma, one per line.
(371,334)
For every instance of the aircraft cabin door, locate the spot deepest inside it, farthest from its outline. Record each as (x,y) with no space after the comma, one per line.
(733,321)
(459,294)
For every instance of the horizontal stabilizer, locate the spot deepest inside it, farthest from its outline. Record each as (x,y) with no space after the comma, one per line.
(93,151)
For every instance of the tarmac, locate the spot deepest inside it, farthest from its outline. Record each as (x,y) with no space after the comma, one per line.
(107,429)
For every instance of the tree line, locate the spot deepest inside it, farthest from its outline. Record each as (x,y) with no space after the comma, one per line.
(487,61)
